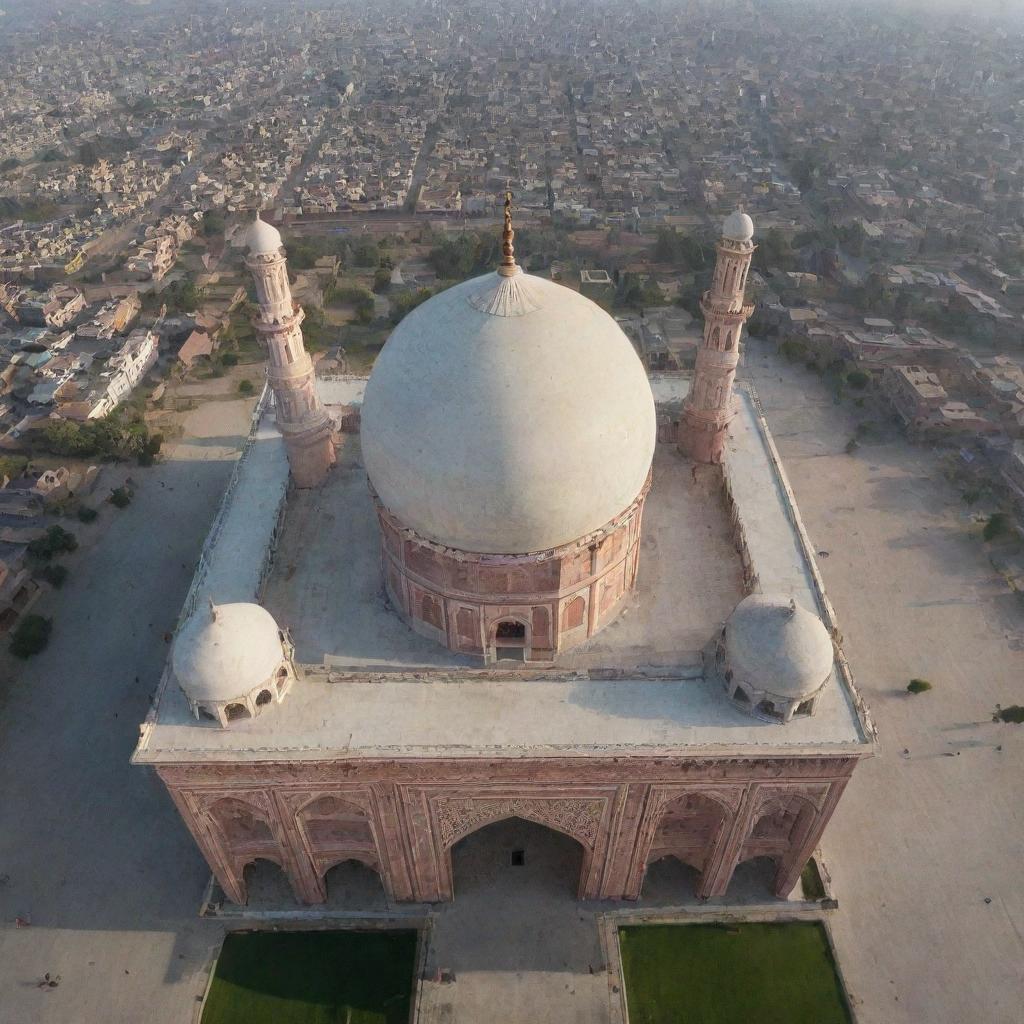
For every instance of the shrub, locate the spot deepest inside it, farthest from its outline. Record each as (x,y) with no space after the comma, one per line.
(245,387)
(87,514)
(918,686)
(31,635)
(852,445)
(1014,713)
(857,379)
(120,497)
(12,466)
(998,524)
(55,575)
(229,359)
(57,539)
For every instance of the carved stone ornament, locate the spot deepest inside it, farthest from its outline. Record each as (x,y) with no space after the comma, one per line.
(457,817)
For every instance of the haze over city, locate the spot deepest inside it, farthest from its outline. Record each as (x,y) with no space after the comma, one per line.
(511,513)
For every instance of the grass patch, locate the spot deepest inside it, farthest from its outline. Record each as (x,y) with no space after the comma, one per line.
(777,973)
(810,881)
(313,978)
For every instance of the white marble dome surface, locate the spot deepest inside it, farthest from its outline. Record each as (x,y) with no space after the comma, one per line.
(223,653)
(738,226)
(262,238)
(776,645)
(507,415)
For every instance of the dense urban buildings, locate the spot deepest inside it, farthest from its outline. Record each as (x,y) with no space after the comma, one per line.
(458,332)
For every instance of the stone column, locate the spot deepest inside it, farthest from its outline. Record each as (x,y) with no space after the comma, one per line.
(301,418)
(709,407)
(792,864)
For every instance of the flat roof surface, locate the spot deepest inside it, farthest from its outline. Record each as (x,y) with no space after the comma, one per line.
(397,694)
(326,583)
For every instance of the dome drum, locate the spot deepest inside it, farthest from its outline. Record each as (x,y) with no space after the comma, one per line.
(500,608)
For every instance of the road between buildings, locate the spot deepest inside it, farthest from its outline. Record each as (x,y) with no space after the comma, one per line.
(92,852)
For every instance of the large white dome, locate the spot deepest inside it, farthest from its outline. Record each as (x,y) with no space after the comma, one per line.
(508,414)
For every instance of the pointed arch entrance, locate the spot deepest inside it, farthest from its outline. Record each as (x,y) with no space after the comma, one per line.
(515,852)
(576,819)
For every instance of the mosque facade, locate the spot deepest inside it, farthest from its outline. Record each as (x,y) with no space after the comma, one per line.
(528,635)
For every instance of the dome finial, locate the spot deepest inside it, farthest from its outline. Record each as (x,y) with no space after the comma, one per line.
(507,267)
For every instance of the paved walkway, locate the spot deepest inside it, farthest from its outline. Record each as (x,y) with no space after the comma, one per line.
(922,839)
(91,850)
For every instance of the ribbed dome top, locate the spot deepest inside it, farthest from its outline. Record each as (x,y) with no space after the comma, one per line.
(262,237)
(222,653)
(508,414)
(778,646)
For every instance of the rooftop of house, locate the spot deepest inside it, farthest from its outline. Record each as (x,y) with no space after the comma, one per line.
(368,686)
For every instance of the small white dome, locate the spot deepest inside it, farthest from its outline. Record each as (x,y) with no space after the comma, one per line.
(508,415)
(776,646)
(262,237)
(738,226)
(223,652)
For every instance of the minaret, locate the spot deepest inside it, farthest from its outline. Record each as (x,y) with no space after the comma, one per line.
(708,408)
(301,418)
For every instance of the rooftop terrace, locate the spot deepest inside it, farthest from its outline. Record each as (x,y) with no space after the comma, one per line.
(371,687)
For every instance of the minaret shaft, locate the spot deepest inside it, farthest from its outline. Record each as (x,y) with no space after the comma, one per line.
(709,405)
(301,417)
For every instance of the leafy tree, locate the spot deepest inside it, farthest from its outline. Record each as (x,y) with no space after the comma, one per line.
(55,575)
(918,686)
(407,302)
(682,250)
(245,387)
(31,636)
(366,254)
(55,541)
(12,466)
(998,524)
(213,223)
(382,280)
(120,497)
(455,259)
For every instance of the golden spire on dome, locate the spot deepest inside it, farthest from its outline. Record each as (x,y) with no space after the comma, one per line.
(508,267)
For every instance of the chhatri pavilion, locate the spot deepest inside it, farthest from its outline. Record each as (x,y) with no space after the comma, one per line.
(509,575)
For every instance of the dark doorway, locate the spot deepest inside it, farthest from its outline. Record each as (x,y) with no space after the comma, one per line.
(510,640)
(547,864)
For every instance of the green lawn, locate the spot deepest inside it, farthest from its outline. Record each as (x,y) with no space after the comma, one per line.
(330,977)
(717,974)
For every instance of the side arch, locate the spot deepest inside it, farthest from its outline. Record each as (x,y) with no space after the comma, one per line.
(692,828)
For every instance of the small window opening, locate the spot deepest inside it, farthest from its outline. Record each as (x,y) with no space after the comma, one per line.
(517,858)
